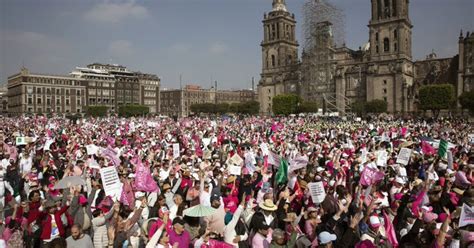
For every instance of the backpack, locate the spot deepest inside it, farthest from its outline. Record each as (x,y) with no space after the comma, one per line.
(87,220)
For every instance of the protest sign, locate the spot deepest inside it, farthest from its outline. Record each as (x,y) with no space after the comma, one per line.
(175,150)
(92,149)
(21,141)
(298,162)
(111,154)
(467,215)
(364,155)
(111,182)
(236,159)
(264,148)
(370,176)
(235,170)
(382,158)
(47,144)
(404,156)
(317,192)
(206,141)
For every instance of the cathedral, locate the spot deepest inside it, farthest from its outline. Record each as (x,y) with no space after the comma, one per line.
(337,77)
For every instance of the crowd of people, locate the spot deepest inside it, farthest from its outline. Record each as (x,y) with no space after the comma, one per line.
(236,182)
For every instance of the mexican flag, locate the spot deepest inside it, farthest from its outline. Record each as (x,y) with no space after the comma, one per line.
(282,174)
(443,148)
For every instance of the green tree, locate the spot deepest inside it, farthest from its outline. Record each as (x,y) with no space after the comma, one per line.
(285,104)
(376,106)
(436,97)
(96,111)
(249,108)
(222,108)
(130,110)
(308,107)
(358,108)
(466,99)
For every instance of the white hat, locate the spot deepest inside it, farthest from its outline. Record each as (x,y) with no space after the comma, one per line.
(399,180)
(374,220)
(131,175)
(319,169)
(326,237)
(449,171)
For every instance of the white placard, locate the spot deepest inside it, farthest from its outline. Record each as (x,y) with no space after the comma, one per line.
(264,148)
(358,119)
(111,182)
(363,157)
(176,150)
(371,126)
(47,144)
(467,215)
(92,149)
(317,192)
(382,158)
(235,170)
(236,159)
(404,156)
(21,141)
(402,171)
(206,141)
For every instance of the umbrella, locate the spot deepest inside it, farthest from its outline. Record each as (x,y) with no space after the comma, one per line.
(69,181)
(199,211)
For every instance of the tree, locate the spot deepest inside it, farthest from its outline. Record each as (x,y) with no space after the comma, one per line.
(221,108)
(96,111)
(466,99)
(249,108)
(130,110)
(308,107)
(358,108)
(285,104)
(436,97)
(376,106)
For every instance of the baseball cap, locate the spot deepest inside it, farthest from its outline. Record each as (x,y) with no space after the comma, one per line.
(326,237)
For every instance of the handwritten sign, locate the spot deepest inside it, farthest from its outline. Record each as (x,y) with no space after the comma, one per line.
(176,150)
(404,156)
(317,192)
(467,215)
(111,182)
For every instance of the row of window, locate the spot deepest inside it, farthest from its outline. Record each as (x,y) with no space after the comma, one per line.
(40,80)
(49,110)
(67,101)
(49,91)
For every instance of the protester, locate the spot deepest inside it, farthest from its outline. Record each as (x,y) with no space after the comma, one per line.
(298,181)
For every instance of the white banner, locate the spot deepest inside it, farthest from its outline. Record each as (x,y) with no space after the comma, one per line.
(404,156)
(467,215)
(176,150)
(111,182)
(317,192)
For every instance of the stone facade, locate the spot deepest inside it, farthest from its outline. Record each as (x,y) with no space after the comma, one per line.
(337,77)
(280,65)
(177,102)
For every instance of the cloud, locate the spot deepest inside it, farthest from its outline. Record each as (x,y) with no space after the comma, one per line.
(109,12)
(218,48)
(120,48)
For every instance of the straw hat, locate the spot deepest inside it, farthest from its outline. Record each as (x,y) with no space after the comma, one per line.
(268,205)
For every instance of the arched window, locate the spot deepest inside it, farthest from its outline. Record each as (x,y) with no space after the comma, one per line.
(386,45)
(273,60)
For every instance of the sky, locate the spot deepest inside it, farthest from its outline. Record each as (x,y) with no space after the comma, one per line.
(201,40)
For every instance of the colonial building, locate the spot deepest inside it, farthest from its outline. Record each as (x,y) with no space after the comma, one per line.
(178,102)
(149,91)
(38,94)
(3,99)
(337,77)
(279,56)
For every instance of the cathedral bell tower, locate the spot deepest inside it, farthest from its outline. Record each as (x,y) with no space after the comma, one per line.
(279,56)
(390,65)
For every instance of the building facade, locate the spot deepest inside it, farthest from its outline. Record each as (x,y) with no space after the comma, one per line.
(3,99)
(40,94)
(383,68)
(280,63)
(178,102)
(94,85)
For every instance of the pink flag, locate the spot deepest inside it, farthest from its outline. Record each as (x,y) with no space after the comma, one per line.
(111,154)
(404,131)
(427,148)
(143,179)
(127,197)
(390,231)
(370,176)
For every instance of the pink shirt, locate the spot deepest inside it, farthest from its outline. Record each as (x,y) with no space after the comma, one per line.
(260,241)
